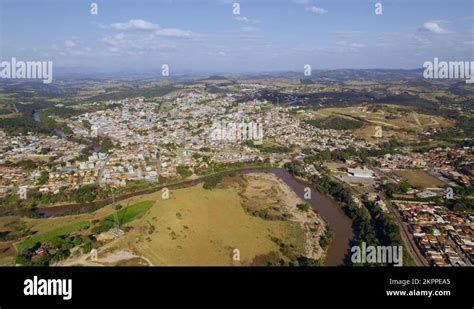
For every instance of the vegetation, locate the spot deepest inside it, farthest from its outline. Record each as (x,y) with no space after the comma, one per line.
(361,219)
(212,182)
(325,240)
(23,124)
(85,194)
(267,149)
(388,231)
(130,213)
(123,216)
(364,154)
(51,236)
(149,92)
(418,179)
(27,165)
(44,176)
(337,123)
(303,207)
(371,225)
(183,171)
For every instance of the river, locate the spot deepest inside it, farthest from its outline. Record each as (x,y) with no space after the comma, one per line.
(328,209)
(340,224)
(37,118)
(60,133)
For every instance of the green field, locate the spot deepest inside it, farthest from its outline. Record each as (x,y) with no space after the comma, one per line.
(123,216)
(47,229)
(48,236)
(194,226)
(337,123)
(128,214)
(399,122)
(420,179)
(202,227)
(4,96)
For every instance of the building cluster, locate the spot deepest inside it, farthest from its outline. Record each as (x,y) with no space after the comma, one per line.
(42,163)
(152,137)
(445,237)
(443,163)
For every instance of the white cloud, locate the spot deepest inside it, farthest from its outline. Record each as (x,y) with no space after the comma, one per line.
(344,46)
(357,45)
(134,43)
(317,10)
(114,40)
(135,24)
(433,27)
(173,32)
(69,43)
(300,1)
(143,25)
(250,29)
(246,20)
(113,49)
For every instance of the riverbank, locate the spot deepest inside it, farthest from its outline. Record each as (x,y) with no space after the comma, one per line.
(78,208)
(328,209)
(201,227)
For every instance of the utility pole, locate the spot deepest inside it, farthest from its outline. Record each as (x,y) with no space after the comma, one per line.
(158,162)
(116,231)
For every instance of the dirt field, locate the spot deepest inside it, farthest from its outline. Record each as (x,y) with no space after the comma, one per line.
(7,253)
(395,120)
(199,227)
(256,214)
(420,179)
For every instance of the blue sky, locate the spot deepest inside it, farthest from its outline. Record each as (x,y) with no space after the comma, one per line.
(268,35)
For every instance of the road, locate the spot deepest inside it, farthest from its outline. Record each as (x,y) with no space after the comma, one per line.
(463,256)
(410,244)
(405,234)
(101,170)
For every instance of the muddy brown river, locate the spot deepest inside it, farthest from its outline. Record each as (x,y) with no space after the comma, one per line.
(328,209)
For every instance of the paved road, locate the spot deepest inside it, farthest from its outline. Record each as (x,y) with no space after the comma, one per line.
(406,236)
(410,244)
(461,254)
(101,170)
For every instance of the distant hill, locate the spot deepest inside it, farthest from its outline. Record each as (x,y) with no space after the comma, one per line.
(306,81)
(341,75)
(337,123)
(149,92)
(216,77)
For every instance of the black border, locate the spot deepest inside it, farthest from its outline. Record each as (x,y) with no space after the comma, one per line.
(105,286)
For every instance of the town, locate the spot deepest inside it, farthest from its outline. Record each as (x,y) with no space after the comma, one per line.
(119,146)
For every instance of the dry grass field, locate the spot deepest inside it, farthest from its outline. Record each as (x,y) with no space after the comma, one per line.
(398,122)
(256,214)
(201,227)
(420,179)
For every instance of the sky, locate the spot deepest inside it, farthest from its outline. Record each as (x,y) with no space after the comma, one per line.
(205,36)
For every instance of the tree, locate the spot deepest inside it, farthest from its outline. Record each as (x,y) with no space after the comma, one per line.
(212,182)
(44,176)
(391,189)
(183,171)
(404,186)
(87,247)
